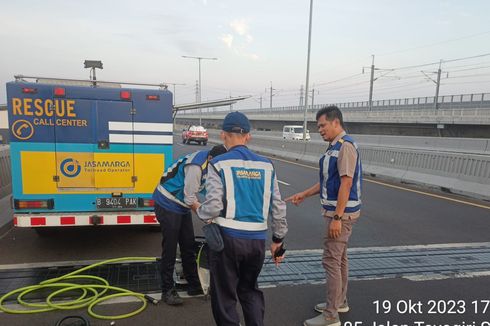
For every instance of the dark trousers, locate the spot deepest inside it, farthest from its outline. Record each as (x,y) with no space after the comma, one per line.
(234,273)
(177,228)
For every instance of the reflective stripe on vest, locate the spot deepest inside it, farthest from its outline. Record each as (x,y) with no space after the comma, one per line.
(239,225)
(350,203)
(171,197)
(226,167)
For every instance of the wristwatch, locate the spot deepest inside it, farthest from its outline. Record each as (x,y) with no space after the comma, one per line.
(337,218)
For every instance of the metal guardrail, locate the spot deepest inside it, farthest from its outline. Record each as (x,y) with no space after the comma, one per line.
(460,101)
(5,174)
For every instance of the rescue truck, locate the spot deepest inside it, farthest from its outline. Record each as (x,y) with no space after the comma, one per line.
(85,154)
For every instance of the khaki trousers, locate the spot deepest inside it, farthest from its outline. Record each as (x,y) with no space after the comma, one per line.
(336,265)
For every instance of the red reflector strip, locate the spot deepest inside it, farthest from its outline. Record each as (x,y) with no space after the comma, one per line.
(58,91)
(149,219)
(153,97)
(15,221)
(67,220)
(38,221)
(26,90)
(125,95)
(24,204)
(124,219)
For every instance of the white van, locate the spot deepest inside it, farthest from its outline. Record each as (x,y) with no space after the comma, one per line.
(294,133)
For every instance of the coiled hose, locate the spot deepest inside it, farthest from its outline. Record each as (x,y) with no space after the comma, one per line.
(91,294)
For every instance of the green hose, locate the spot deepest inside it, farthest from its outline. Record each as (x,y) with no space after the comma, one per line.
(91,294)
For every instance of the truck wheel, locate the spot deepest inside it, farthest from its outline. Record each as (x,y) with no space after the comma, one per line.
(205,143)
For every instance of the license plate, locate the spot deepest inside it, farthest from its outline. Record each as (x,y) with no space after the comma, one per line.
(116,202)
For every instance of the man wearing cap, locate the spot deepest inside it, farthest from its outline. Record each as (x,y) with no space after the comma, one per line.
(174,198)
(242,192)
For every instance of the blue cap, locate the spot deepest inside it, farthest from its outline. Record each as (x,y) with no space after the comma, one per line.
(236,122)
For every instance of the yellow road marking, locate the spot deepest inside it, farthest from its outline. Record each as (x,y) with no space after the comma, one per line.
(396,187)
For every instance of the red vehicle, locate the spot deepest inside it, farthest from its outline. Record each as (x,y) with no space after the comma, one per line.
(195,133)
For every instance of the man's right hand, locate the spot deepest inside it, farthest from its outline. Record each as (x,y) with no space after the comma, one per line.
(195,206)
(296,199)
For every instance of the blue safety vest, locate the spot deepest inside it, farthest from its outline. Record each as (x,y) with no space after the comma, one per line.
(330,178)
(248,185)
(169,194)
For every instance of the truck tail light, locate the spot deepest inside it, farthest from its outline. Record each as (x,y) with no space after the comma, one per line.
(125,95)
(59,92)
(144,202)
(153,97)
(34,204)
(27,90)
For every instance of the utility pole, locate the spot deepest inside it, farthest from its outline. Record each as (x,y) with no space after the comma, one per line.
(371,84)
(301,95)
(372,80)
(231,105)
(312,97)
(261,101)
(271,95)
(307,71)
(173,95)
(199,97)
(437,82)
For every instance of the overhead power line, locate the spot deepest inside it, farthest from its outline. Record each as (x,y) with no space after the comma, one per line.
(435,43)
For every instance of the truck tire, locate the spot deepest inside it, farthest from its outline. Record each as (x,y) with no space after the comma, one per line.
(205,143)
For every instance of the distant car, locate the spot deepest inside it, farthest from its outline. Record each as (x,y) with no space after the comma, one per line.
(196,134)
(294,133)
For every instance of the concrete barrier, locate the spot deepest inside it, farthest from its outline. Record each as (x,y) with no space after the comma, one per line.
(5,174)
(463,173)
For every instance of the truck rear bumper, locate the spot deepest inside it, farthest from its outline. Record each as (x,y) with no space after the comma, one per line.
(85,219)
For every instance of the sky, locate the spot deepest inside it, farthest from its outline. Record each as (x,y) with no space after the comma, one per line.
(257,43)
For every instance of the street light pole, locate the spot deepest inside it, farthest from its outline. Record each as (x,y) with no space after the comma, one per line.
(200,85)
(307,72)
(174,94)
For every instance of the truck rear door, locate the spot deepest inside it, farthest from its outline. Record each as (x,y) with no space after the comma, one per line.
(95,163)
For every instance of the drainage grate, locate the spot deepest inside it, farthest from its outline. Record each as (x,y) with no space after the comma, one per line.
(366,263)
(300,267)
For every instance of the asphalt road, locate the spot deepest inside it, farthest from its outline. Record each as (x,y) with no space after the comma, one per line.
(390,217)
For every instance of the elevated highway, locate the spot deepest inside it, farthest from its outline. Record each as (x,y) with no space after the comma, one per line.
(465,115)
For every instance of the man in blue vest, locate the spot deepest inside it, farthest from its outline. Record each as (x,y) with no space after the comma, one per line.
(242,193)
(340,196)
(174,198)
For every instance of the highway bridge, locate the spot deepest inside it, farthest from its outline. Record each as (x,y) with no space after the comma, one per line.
(462,115)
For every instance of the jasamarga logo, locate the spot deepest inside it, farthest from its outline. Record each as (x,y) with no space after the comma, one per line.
(70,168)
(248,174)
(107,166)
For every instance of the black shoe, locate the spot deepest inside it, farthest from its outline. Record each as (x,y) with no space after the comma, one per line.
(171,297)
(194,290)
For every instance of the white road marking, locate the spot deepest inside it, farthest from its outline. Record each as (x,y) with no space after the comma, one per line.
(283,183)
